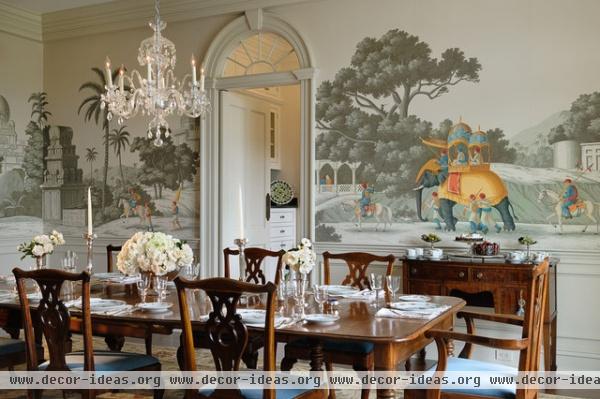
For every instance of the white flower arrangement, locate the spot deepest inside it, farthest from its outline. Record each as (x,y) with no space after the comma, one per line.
(157,253)
(41,245)
(301,259)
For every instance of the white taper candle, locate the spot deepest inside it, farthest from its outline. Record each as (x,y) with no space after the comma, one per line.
(89,211)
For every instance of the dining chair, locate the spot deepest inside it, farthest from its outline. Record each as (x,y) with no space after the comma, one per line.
(357,354)
(110,259)
(528,345)
(254,274)
(227,335)
(13,352)
(53,321)
(255,257)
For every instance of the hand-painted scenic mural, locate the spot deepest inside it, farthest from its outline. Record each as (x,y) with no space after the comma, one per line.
(386,174)
(135,185)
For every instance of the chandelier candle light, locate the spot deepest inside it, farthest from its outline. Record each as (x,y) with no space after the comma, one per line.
(160,94)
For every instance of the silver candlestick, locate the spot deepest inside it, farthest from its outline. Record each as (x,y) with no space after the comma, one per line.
(89,238)
(241,244)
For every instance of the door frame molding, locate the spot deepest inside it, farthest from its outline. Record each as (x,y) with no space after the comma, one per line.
(252,22)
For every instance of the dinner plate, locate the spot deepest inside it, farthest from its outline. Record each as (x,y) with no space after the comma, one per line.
(105,304)
(404,305)
(321,318)
(415,298)
(154,307)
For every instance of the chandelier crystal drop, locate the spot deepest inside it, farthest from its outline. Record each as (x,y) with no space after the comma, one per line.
(160,93)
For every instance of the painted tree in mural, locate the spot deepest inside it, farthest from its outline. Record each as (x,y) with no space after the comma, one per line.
(119,140)
(364,111)
(33,158)
(96,113)
(167,166)
(90,156)
(583,123)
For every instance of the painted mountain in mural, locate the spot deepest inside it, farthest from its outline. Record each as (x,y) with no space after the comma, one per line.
(528,136)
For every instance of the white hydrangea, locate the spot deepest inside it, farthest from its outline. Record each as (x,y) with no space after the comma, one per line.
(41,245)
(158,253)
(302,259)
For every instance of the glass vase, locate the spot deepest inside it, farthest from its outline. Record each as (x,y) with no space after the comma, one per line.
(40,262)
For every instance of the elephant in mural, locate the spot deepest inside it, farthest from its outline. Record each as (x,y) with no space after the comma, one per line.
(458,187)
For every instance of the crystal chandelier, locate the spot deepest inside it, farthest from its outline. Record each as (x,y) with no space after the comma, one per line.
(160,94)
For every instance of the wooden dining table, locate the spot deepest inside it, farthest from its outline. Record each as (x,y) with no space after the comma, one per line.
(395,339)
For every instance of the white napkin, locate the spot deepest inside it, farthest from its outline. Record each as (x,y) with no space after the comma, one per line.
(365,294)
(412,314)
(9,278)
(76,303)
(115,310)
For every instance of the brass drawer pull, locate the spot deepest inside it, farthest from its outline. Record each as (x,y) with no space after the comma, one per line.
(461,275)
(479,275)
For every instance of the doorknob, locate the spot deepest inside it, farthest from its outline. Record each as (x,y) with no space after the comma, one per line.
(268,207)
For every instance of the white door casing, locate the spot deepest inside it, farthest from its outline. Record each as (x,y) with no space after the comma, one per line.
(211,209)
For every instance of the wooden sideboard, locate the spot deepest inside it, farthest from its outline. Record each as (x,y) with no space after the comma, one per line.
(494,285)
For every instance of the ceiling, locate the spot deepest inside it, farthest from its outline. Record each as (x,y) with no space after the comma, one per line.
(45,6)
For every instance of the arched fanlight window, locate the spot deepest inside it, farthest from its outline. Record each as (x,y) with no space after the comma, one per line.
(264,52)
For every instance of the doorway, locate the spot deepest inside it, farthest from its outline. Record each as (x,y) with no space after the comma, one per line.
(260,140)
(256,50)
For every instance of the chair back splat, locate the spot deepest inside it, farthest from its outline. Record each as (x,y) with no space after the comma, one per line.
(52,316)
(225,331)
(255,257)
(358,264)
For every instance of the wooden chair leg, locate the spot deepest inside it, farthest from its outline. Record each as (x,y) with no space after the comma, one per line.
(148,342)
(364,393)
(329,368)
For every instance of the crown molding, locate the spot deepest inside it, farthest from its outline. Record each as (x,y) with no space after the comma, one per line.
(122,15)
(21,23)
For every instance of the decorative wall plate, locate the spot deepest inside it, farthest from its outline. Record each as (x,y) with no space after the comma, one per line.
(281,192)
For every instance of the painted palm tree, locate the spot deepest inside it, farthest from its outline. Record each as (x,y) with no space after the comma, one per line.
(95,113)
(38,108)
(119,140)
(90,155)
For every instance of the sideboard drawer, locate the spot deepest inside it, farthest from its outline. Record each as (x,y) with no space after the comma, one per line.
(286,244)
(282,231)
(434,272)
(283,216)
(491,274)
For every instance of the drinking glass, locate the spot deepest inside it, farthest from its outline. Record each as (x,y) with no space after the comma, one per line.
(393,285)
(69,264)
(143,283)
(160,285)
(320,294)
(376,284)
(299,289)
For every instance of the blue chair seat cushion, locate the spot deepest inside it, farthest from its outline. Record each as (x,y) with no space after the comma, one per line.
(460,364)
(108,361)
(9,346)
(358,347)
(258,393)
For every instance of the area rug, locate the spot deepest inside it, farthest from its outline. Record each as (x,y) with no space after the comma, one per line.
(168,360)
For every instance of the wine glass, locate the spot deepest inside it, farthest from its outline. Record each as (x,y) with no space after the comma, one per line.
(160,285)
(299,289)
(376,284)
(69,264)
(393,285)
(320,295)
(143,284)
